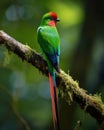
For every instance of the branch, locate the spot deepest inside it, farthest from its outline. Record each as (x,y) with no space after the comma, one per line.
(24,52)
(69,89)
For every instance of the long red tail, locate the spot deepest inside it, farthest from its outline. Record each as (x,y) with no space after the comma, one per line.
(54,103)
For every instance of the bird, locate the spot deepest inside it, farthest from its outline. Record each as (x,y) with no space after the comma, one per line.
(49,41)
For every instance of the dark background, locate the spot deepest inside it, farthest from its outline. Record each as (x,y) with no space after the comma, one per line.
(24,91)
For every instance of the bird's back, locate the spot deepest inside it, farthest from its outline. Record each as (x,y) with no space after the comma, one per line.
(48,39)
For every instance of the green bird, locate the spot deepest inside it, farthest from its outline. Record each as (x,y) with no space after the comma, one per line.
(48,39)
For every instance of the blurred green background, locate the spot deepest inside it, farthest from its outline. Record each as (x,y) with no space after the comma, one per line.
(24,91)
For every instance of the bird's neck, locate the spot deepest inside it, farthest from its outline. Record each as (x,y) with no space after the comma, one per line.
(52,23)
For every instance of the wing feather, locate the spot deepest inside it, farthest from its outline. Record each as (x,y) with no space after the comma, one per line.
(48,39)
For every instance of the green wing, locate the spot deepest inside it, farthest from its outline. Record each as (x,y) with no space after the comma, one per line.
(48,39)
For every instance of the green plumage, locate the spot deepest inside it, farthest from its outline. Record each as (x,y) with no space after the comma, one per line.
(48,39)
(49,42)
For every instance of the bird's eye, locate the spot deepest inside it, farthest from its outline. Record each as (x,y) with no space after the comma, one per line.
(51,18)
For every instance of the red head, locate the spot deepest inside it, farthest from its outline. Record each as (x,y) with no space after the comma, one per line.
(50,19)
(54,16)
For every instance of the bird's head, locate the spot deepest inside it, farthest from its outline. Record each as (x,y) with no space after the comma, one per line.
(50,19)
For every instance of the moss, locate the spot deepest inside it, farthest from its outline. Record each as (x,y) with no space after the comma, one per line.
(97,99)
(28,52)
(7,57)
(10,46)
(70,97)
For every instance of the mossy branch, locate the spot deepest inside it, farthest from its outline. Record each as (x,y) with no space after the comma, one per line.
(69,89)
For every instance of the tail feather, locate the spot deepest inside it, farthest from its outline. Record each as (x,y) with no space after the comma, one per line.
(54,102)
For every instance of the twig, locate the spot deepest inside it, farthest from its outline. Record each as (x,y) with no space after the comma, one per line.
(68,88)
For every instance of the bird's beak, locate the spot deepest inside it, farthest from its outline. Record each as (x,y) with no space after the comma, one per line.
(57,20)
